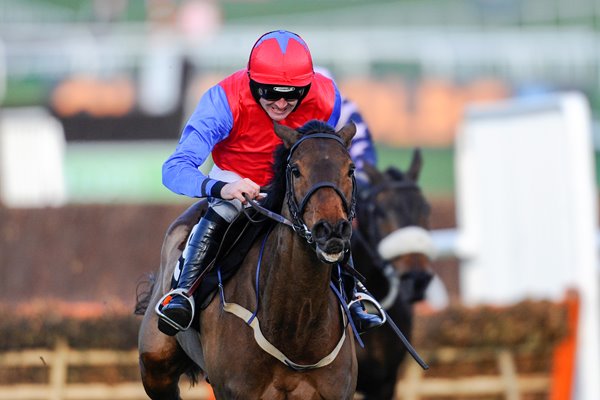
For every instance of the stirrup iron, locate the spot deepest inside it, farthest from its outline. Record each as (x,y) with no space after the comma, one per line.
(159,306)
(363,297)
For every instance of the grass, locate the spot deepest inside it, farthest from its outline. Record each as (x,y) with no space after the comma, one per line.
(131,172)
(437,173)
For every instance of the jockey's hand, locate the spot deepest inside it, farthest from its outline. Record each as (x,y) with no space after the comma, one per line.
(236,190)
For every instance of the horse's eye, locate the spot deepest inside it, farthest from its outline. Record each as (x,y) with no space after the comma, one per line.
(351,171)
(296,171)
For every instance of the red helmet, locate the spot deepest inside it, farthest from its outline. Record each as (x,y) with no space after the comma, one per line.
(281,58)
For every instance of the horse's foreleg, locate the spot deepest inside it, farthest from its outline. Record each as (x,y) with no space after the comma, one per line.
(162,361)
(159,383)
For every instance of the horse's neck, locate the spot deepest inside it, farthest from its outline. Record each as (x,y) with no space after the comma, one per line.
(295,288)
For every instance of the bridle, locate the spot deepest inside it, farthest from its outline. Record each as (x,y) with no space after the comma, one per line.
(368,197)
(297,209)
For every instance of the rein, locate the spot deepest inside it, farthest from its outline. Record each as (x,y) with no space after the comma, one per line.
(297,210)
(267,213)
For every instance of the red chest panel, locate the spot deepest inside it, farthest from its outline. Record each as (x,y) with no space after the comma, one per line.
(248,150)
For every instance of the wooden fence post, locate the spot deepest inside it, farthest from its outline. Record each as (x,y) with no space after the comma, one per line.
(508,374)
(408,388)
(58,369)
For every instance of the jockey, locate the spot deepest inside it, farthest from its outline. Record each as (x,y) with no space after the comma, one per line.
(233,122)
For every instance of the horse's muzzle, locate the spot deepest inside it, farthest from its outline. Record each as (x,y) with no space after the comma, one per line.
(331,242)
(414,283)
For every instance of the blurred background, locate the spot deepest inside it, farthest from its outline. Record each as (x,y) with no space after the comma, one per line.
(125,74)
(94,93)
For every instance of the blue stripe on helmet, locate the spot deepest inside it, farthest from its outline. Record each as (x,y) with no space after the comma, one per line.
(282,38)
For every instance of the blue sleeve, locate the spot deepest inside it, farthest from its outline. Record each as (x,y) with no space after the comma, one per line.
(337,106)
(210,123)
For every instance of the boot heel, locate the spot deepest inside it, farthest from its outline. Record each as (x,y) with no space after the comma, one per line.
(166,328)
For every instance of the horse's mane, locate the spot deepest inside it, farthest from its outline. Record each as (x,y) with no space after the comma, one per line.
(274,200)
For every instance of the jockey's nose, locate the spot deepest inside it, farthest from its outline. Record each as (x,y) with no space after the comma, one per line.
(281,103)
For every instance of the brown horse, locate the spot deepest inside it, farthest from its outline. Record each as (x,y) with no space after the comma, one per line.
(393,250)
(276,330)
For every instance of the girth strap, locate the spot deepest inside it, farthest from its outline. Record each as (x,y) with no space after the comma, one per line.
(264,344)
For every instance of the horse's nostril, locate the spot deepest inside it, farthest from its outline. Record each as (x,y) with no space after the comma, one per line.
(344,229)
(321,231)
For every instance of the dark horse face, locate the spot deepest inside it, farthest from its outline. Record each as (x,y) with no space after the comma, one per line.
(394,217)
(321,189)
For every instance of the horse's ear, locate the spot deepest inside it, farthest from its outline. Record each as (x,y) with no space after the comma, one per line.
(347,133)
(395,173)
(415,165)
(288,135)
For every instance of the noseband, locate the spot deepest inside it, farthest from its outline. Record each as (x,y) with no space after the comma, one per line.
(297,210)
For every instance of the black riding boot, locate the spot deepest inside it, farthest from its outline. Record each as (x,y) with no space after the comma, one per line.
(177,308)
(363,321)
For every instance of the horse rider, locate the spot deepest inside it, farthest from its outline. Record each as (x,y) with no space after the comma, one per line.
(233,122)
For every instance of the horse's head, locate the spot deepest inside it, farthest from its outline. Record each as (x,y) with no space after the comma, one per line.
(320,186)
(394,218)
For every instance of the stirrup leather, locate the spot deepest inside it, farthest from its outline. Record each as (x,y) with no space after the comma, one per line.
(363,297)
(163,302)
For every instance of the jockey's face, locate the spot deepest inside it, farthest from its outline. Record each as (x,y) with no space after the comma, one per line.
(278,109)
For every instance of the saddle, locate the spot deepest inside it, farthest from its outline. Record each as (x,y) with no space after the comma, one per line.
(235,244)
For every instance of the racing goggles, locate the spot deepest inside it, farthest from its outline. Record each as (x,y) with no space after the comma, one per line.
(276,92)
